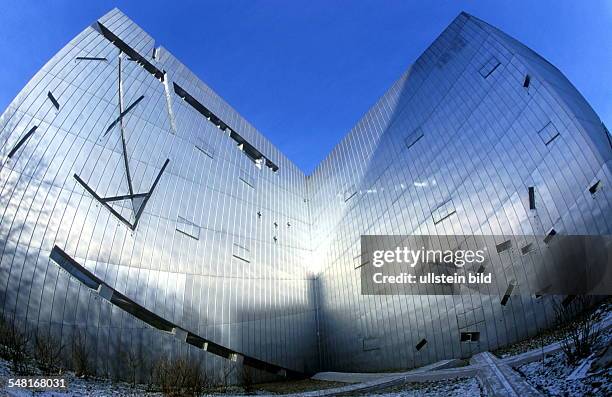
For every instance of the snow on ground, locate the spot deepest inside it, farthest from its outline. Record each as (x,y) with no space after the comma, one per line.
(550,376)
(77,387)
(446,388)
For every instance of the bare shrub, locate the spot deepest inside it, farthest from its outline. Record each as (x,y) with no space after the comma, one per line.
(14,346)
(48,354)
(225,376)
(579,329)
(247,379)
(80,357)
(179,377)
(132,362)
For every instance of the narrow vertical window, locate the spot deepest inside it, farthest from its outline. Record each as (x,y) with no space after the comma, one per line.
(527,81)
(507,294)
(532,205)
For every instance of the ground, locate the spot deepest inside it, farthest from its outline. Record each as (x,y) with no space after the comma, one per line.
(447,388)
(550,376)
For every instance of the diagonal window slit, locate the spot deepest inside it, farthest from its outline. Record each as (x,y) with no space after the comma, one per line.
(142,61)
(118,119)
(247,148)
(53,100)
(155,321)
(22,141)
(91,59)
(139,200)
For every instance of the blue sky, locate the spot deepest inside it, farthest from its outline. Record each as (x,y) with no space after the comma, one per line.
(304,72)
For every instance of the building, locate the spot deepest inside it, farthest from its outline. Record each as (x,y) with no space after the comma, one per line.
(141,215)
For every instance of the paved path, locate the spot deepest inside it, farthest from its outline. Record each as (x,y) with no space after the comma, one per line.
(499,379)
(359,377)
(496,374)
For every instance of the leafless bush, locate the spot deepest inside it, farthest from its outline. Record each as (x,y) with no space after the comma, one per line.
(48,354)
(133,362)
(579,328)
(247,378)
(225,376)
(80,357)
(179,377)
(14,346)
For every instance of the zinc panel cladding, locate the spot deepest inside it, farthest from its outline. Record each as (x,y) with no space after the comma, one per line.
(268,304)
(265,262)
(481,151)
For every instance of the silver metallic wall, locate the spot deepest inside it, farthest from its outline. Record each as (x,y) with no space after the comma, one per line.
(220,248)
(452,148)
(145,215)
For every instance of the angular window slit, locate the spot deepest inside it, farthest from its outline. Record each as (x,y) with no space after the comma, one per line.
(548,133)
(53,100)
(481,269)
(595,187)
(507,294)
(550,235)
(526,81)
(249,150)
(139,200)
(526,249)
(129,51)
(205,151)
(360,264)
(241,258)
(196,341)
(91,59)
(203,110)
(252,153)
(118,119)
(204,148)
(248,180)
(349,195)
(414,137)
(74,268)
(421,344)
(443,211)
(473,336)
(188,228)
(489,67)
(506,245)
(141,313)
(22,141)
(531,191)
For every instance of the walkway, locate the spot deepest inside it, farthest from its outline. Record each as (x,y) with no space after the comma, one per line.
(496,374)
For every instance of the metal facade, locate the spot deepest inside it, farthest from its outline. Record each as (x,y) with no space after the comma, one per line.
(141,213)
